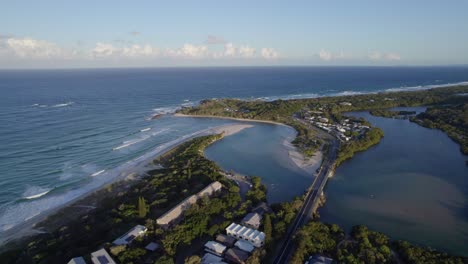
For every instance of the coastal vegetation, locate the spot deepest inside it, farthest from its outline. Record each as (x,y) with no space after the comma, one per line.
(391,114)
(334,108)
(450,118)
(361,246)
(121,206)
(370,138)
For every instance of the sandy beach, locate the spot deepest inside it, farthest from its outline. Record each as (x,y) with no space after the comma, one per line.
(308,164)
(123,180)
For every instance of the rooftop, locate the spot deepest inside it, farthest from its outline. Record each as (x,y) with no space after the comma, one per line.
(128,237)
(177,211)
(101,257)
(77,260)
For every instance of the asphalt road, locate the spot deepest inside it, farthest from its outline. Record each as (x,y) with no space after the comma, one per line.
(309,205)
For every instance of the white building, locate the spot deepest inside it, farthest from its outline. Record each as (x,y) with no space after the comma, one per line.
(215,248)
(323,120)
(128,237)
(252,220)
(255,237)
(176,213)
(101,257)
(244,246)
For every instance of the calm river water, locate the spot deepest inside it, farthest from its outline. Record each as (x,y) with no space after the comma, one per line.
(259,151)
(412,186)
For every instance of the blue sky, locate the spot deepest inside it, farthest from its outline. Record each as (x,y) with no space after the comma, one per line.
(43,34)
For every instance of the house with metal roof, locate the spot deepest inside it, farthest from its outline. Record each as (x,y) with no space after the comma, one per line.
(214,247)
(235,255)
(175,214)
(252,220)
(128,237)
(101,257)
(77,260)
(209,258)
(245,246)
(226,240)
(255,237)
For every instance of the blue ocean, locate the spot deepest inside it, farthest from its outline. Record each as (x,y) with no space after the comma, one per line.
(65,132)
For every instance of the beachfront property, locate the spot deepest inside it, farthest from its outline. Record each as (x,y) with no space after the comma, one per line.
(77,260)
(101,257)
(175,214)
(245,246)
(235,255)
(209,258)
(215,248)
(128,237)
(225,240)
(251,235)
(252,220)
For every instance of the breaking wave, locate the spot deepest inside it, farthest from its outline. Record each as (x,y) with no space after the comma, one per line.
(35,192)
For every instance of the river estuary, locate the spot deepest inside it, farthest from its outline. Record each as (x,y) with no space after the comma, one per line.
(411,186)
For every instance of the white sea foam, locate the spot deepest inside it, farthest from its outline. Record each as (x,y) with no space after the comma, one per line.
(35,192)
(145,129)
(128,143)
(63,104)
(424,87)
(19,212)
(97,173)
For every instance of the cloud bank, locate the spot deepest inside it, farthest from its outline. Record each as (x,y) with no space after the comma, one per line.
(28,49)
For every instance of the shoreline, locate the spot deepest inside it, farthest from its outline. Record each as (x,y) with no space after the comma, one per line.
(33,225)
(309,165)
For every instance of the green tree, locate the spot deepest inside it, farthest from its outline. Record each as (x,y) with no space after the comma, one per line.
(267,228)
(192,260)
(142,210)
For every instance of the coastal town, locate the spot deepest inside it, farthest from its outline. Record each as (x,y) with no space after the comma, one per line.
(234,246)
(344,129)
(187,209)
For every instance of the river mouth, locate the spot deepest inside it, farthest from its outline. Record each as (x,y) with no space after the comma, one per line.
(411,186)
(260,151)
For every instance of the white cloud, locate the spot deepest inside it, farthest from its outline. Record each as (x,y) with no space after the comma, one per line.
(246,52)
(269,53)
(214,40)
(34,49)
(104,50)
(137,51)
(377,56)
(231,51)
(326,55)
(28,51)
(188,51)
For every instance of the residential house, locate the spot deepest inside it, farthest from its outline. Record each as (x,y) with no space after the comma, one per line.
(255,237)
(128,237)
(101,257)
(215,248)
(175,214)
